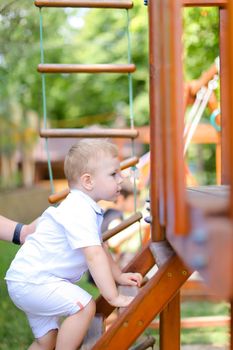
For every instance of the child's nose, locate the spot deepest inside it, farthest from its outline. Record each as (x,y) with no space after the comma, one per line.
(119,178)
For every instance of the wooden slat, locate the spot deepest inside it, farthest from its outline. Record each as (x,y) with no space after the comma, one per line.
(86,68)
(220,3)
(123,225)
(91,133)
(121,4)
(56,197)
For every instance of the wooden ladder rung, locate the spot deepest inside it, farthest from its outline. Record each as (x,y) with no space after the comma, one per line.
(56,197)
(120,4)
(90,133)
(124,224)
(86,68)
(194,3)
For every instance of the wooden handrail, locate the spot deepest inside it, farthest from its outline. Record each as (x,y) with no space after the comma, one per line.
(56,197)
(91,133)
(124,224)
(86,68)
(120,4)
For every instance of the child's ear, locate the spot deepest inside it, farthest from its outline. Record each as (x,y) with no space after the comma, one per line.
(87,181)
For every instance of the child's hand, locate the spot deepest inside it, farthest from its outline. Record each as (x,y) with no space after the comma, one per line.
(121,300)
(130,279)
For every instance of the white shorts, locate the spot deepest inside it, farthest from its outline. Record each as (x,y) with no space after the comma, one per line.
(45,304)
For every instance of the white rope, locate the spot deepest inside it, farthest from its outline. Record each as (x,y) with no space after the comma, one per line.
(212,85)
(194,109)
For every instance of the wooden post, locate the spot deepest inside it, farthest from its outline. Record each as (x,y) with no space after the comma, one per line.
(170,325)
(155,37)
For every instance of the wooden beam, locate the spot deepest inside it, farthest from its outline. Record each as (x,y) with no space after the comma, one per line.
(170,325)
(122,4)
(86,68)
(176,207)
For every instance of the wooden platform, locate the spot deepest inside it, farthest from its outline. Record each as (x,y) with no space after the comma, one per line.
(209,199)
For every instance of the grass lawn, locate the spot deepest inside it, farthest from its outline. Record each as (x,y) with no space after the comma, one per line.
(15,333)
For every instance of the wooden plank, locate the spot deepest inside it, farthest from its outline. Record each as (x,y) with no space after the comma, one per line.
(122,4)
(142,262)
(220,3)
(151,300)
(57,197)
(86,68)
(209,199)
(91,133)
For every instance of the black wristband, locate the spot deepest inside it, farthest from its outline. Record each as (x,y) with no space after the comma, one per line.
(16,236)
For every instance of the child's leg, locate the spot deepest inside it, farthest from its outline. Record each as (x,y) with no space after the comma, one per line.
(74,328)
(47,342)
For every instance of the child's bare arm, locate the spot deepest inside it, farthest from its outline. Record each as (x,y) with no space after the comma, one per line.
(101,272)
(7,228)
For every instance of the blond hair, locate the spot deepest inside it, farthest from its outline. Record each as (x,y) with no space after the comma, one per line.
(83,157)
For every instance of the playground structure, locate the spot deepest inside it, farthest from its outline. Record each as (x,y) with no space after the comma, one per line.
(191,229)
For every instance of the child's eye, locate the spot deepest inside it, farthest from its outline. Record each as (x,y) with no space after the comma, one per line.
(113,174)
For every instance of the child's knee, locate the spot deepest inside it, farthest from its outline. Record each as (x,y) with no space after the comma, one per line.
(91,308)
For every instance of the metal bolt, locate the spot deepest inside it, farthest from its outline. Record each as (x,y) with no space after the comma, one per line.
(199,236)
(199,261)
(125,324)
(140,323)
(169,274)
(184,272)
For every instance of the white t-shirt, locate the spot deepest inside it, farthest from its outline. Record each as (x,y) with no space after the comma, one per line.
(53,252)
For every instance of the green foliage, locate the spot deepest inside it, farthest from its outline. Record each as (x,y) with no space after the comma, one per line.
(201,39)
(85,36)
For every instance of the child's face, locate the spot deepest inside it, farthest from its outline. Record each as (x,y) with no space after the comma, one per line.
(107,179)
